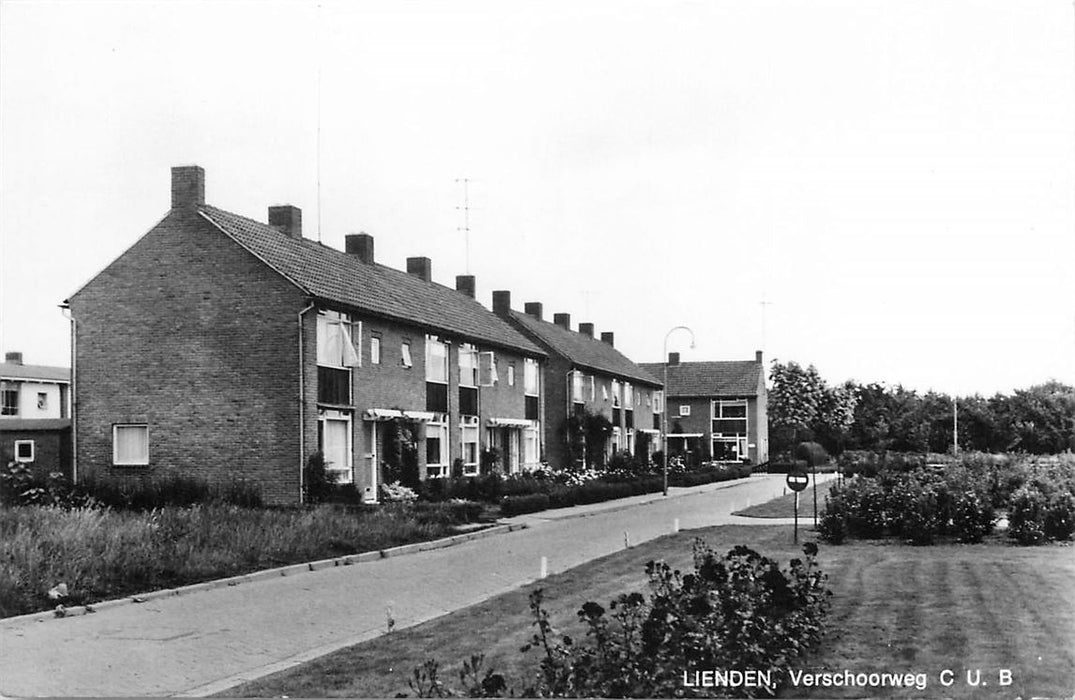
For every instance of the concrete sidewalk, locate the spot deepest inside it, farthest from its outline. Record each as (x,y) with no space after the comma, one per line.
(207,641)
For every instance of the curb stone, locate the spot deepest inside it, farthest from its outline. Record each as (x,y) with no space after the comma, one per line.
(289,570)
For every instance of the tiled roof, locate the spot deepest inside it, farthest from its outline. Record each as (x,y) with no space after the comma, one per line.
(730,378)
(28,424)
(583,350)
(9,370)
(335,276)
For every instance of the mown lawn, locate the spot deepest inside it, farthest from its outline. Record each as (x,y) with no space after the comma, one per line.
(784,507)
(896,608)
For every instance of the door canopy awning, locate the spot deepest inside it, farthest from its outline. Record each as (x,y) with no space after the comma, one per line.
(385,414)
(685,435)
(509,423)
(649,431)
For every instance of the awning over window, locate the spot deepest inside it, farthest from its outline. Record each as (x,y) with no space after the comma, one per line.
(423,416)
(509,423)
(381,414)
(648,431)
(685,435)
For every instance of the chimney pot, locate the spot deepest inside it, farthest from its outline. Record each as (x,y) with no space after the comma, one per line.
(562,320)
(359,245)
(14,358)
(673,358)
(501,302)
(420,267)
(286,219)
(609,337)
(188,186)
(465,284)
(586,329)
(533,308)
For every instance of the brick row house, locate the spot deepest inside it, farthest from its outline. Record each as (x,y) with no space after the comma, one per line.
(719,408)
(35,419)
(223,348)
(585,375)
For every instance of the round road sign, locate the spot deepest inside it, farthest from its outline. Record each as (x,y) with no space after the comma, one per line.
(797,481)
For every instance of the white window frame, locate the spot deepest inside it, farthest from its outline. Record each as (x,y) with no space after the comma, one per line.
(487,370)
(439,468)
(628,395)
(468,362)
(616,393)
(658,401)
(604,392)
(346,473)
(684,410)
(42,401)
(433,342)
(12,388)
(717,413)
(531,377)
(33,451)
(469,426)
(349,333)
(137,462)
(593,388)
(375,350)
(405,358)
(511,374)
(577,381)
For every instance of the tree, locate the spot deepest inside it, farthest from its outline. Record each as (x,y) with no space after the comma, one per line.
(794,402)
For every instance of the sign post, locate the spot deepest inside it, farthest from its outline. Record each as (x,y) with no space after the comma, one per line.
(797,481)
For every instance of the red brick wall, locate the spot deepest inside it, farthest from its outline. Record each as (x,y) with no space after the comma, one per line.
(52,449)
(194,336)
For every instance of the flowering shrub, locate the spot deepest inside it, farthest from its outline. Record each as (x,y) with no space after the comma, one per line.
(397,493)
(1041,512)
(736,611)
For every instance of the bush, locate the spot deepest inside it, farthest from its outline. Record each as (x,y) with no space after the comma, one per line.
(518,505)
(1041,512)
(737,611)
(317,480)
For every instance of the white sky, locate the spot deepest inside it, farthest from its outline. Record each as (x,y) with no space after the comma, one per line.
(896,178)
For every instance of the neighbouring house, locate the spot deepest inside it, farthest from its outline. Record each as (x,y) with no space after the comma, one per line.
(587,377)
(222,348)
(719,407)
(35,418)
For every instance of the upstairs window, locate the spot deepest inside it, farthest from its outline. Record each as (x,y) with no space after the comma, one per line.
(511,374)
(658,402)
(685,410)
(130,445)
(337,336)
(42,401)
(730,418)
(9,398)
(405,354)
(593,388)
(375,350)
(628,395)
(577,381)
(615,393)
(468,365)
(487,369)
(530,377)
(436,360)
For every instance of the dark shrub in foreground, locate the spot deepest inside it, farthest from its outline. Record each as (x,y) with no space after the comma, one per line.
(736,611)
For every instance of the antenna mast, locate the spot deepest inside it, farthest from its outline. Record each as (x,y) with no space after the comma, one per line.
(465,228)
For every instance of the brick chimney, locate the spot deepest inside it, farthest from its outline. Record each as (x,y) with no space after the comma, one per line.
(188,186)
(586,329)
(502,302)
(673,358)
(359,245)
(562,320)
(533,308)
(465,284)
(14,358)
(757,357)
(286,219)
(609,337)
(422,268)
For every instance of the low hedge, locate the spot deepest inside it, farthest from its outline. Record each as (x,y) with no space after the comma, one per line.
(528,503)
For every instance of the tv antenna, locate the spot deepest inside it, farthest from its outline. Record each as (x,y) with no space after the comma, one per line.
(465,228)
(764,304)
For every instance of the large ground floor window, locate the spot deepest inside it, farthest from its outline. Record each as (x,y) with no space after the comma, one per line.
(437,446)
(468,433)
(532,446)
(335,442)
(730,449)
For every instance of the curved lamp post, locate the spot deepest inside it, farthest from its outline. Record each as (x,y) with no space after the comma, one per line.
(664,400)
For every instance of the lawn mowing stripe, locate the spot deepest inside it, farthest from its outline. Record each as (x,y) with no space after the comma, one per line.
(943,601)
(991,643)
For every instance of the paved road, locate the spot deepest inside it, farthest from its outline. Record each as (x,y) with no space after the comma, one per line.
(207,641)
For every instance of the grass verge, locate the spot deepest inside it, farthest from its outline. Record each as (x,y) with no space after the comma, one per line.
(102,554)
(784,506)
(987,607)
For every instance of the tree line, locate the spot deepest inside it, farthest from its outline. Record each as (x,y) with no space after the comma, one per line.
(874,416)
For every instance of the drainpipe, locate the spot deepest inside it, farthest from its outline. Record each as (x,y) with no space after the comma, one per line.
(66,311)
(302,402)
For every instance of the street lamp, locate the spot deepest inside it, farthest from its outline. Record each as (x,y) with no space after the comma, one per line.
(664,400)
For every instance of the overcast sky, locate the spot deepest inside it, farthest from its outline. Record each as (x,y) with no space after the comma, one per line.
(897,179)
